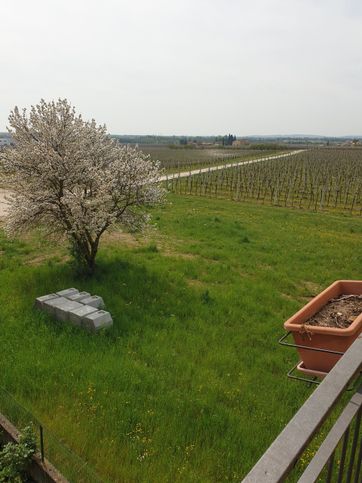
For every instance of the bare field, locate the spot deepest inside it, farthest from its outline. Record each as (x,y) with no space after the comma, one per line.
(178,159)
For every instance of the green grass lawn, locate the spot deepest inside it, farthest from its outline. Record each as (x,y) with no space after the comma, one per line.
(189,384)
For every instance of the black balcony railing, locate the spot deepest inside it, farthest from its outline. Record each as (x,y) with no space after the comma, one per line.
(339,456)
(51,447)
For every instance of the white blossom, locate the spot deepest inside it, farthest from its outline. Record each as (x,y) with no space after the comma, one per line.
(72,177)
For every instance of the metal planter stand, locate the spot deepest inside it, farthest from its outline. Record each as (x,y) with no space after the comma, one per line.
(290,374)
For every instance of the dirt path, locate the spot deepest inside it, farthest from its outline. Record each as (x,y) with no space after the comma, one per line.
(183,174)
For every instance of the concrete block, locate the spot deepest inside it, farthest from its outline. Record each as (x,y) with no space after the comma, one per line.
(76,316)
(97,320)
(51,305)
(62,310)
(39,301)
(78,297)
(94,301)
(67,292)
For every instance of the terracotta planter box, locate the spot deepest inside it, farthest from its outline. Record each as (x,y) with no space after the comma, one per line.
(311,372)
(331,338)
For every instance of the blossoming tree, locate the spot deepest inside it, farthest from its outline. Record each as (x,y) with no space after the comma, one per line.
(70,176)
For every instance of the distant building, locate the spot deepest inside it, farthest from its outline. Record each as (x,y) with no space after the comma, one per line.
(240,142)
(351,142)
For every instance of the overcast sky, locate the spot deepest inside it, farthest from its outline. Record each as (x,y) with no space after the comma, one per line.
(188,66)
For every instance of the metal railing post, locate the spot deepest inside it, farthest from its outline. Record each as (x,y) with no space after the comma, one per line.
(41,443)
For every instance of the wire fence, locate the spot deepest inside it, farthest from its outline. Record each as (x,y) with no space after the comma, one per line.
(68,463)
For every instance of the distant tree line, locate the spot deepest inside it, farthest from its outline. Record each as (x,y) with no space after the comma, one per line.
(226,140)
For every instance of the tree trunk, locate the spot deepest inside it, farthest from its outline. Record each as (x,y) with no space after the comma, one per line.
(84,255)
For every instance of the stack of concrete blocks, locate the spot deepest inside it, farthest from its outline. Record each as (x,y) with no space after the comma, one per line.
(79,308)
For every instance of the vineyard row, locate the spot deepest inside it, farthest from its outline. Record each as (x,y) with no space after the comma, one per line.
(315,180)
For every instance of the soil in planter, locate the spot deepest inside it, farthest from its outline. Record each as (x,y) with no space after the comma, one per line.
(338,313)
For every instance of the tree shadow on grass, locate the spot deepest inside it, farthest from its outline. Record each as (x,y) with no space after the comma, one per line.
(137,297)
